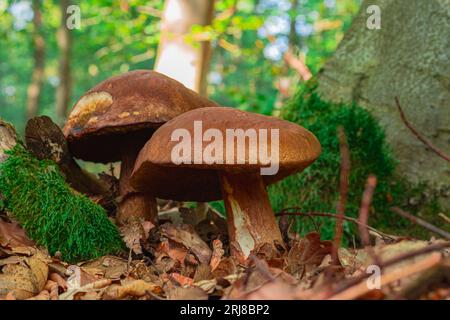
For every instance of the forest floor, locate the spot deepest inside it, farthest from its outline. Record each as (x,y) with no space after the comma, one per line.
(177,260)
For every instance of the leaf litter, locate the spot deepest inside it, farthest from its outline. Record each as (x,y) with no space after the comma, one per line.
(176,261)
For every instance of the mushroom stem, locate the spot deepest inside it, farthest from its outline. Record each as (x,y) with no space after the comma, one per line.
(133,203)
(251,221)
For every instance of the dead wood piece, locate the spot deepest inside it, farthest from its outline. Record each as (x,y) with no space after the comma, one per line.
(8,138)
(46,141)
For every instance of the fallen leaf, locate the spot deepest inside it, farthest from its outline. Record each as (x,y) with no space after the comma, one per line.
(274,290)
(12,235)
(225,267)
(207,285)
(134,288)
(53,289)
(217,254)
(110,267)
(187,293)
(185,235)
(78,278)
(134,231)
(60,281)
(181,280)
(25,279)
(307,254)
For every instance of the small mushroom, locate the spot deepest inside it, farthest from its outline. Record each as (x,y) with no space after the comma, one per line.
(112,121)
(237,179)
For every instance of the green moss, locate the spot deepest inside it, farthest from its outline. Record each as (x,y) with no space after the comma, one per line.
(51,212)
(317,188)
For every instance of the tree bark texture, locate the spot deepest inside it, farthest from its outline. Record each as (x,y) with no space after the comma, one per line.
(408,57)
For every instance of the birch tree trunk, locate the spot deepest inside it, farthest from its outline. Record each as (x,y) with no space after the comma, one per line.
(181,56)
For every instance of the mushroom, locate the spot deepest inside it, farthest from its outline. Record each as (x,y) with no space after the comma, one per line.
(219,168)
(112,121)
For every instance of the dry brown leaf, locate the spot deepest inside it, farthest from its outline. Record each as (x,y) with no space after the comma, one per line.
(274,290)
(134,231)
(78,293)
(217,254)
(203,272)
(250,281)
(24,279)
(134,288)
(207,285)
(352,259)
(307,254)
(110,267)
(185,235)
(12,235)
(187,293)
(43,295)
(52,288)
(59,280)
(181,280)
(172,249)
(225,267)
(78,278)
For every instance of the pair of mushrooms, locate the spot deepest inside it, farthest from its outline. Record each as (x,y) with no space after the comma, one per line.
(131,118)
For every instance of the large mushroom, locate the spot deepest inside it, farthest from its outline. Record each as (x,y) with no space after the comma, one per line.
(112,121)
(213,173)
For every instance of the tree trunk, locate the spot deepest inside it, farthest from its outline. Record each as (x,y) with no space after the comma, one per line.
(406,58)
(179,56)
(37,77)
(64,40)
(8,138)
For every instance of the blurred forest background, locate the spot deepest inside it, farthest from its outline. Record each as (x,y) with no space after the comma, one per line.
(40,64)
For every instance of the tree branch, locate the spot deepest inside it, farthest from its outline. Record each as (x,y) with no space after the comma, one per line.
(419,135)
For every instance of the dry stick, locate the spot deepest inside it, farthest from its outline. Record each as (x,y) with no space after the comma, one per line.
(364,209)
(420,136)
(362,288)
(421,222)
(331,215)
(364,216)
(343,192)
(392,261)
(443,216)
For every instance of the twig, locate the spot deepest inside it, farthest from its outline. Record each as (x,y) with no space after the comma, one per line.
(366,201)
(392,261)
(443,216)
(420,136)
(298,65)
(343,192)
(332,215)
(364,209)
(362,288)
(421,222)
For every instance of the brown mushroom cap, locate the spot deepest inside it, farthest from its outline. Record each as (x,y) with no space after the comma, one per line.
(125,109)
(298,148)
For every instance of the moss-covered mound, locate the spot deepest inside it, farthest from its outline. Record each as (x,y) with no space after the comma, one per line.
(51,212)
(317,188)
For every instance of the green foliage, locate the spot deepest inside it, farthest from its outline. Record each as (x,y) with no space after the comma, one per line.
(317,188)
(117,36)
(51,212)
